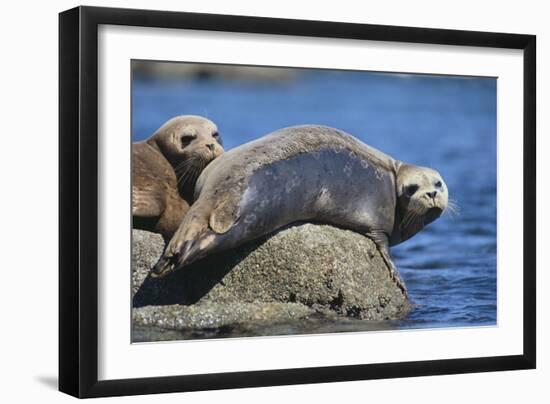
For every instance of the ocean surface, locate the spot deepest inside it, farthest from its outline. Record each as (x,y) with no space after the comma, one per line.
(447,123)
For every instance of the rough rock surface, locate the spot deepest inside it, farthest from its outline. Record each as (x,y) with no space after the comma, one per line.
(298,272)
(147,247)
(215,315)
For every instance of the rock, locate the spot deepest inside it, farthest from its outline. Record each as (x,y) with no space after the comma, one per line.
(216,315)
(298,272)
(146,250)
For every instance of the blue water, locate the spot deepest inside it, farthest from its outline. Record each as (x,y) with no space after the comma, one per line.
(448,123)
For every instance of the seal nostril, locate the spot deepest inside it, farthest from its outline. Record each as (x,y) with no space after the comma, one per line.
(432,194)
(210,146)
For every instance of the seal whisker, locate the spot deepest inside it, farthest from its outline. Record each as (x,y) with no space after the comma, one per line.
(185,165)
(453,208)
(418,222)
(183,173)
(413,219)
(183,168)
(190,162)
(182,164)
(410,218)
(405,220)
(192,171)
(187,162)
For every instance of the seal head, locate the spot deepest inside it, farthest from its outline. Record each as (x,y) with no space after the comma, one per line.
(189,143)
(422,196)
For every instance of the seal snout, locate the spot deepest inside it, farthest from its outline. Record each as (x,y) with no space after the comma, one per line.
(432,194)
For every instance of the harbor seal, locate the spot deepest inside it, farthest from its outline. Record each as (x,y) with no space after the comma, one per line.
(305,173)
(165,169)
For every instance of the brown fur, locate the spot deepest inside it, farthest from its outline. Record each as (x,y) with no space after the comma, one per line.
(165,168)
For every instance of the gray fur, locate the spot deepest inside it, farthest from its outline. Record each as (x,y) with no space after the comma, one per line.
(303,173)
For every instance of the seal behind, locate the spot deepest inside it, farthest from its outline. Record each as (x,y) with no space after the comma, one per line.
(165,168)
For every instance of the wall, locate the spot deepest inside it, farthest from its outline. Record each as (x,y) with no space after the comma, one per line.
(29,203)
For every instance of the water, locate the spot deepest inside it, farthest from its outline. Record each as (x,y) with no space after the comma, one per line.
(448,123)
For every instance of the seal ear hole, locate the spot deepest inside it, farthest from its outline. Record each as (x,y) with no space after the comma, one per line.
(411,189)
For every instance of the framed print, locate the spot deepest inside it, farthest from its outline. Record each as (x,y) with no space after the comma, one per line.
(251,201)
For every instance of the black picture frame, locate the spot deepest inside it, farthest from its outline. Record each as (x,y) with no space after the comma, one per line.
(78,201)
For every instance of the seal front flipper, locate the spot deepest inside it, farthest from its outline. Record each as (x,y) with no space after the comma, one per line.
(184,243)
(381,241)
(197,235)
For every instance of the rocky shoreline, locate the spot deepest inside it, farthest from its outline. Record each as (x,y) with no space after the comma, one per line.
(301,273)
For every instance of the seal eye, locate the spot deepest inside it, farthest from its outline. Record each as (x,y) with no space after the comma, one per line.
(186,139)
(438,184)
(411,189)
(216,136)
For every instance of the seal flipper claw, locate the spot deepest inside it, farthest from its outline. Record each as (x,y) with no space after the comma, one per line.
(164,266)
(382,245)
(195,249)
(184,251)
(395,276)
